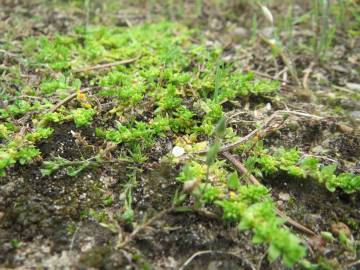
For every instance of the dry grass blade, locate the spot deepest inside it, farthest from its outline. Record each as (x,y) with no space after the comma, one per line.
(267,76)
(307,73)
(205,252)
(265,124)
(108,65)
(284,57)
(143,226)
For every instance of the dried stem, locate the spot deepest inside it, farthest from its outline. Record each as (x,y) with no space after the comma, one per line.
(307,73)
(107,65)
(205,252)
(68,99)
(265,124)
(143,226)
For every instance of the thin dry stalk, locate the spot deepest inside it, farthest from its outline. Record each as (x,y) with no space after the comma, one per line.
(143,226)
(307,73)
(107,65)
(265,125)
(205,252)
(68,99)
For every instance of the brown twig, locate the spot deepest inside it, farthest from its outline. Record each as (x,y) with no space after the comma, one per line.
(8,53)
(267,76)
(68,99)
(107,65)
(257,130)
(242,169)
(201,212)
(344,89)
(283,71)
(243,139)
(295,224)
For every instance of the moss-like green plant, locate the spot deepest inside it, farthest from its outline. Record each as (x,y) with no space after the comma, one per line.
(16,151)
(72,168)
(82,116)
(248,205)
(263,163)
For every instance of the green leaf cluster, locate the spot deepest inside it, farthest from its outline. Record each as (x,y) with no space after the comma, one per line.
(263,163)
(169,71)
(18,108)
(254,209)
(72,168)
(82,116)
(16,151)
(21,149)
(250,206)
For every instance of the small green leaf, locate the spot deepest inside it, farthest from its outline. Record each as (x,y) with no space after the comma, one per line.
(128,215)
(46,172)
(220,127)
(273,253)
(327,236)
(212,153)
(233,181)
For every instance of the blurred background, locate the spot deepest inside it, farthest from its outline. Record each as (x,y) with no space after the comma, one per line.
(320,30)
(315,43)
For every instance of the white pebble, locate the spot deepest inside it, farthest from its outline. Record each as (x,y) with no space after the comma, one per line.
(178,151)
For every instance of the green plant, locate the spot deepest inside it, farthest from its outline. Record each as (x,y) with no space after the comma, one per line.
(266,226)
(39,134)
(4,131)
(99,216)
(72,168)
(321,13)
(108,200)
(127,211)
(17,150)
(248,205)
(263,164)
(137,154)
(82,116)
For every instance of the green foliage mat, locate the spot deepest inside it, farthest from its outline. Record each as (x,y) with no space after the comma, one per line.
(173,87)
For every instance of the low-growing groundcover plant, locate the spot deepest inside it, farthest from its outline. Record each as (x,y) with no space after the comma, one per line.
(265,163)
(250,206)
(175,88)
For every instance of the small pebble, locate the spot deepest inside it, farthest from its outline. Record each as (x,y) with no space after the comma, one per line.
(178,151)
(284,196)
(344,128)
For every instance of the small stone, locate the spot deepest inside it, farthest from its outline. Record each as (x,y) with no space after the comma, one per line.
(284,196)
(355,116)
(240,32)
(344,128)
(190,186)
(353,86)
(178,151)
(280,205)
